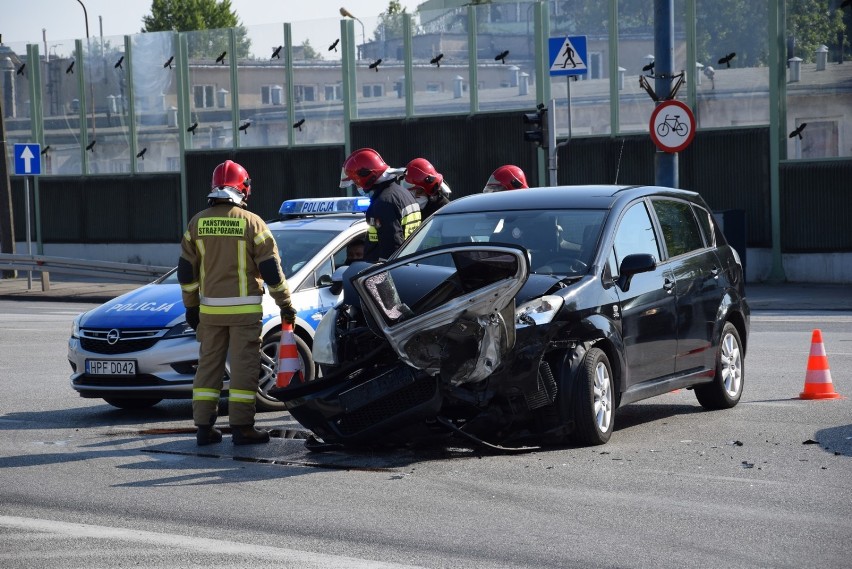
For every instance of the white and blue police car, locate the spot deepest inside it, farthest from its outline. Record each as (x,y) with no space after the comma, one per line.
(136,350)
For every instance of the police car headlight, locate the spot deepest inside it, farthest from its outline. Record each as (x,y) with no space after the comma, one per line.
(182,330)
(537,312)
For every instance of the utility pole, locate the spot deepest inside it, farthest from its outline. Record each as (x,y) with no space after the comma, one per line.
(7,221)
(665,163)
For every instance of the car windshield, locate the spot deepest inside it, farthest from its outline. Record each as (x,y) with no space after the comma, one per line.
(558,241)
(296,245)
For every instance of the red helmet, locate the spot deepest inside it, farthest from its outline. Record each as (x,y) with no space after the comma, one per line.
(420,174)
(506,177)
(363,167)
(230,182)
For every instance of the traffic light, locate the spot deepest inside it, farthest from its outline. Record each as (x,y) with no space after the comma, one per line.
(539,121)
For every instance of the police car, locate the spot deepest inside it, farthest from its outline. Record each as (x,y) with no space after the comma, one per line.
(137,349)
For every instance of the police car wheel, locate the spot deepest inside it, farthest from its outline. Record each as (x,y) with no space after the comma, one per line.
(269,370)
(123,403)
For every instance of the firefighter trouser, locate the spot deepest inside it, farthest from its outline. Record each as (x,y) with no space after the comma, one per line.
(242,344)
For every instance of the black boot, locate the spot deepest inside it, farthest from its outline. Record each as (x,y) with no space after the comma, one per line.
(248,435)
(207,435)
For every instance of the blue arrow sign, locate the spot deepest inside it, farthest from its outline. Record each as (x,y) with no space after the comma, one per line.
(27,159)
(568,56)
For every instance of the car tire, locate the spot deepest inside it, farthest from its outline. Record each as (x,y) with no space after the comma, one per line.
(269,370)
(594,400)
(131,404)
(727,386)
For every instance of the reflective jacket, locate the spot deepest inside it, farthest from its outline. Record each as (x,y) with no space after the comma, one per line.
(393,215)
(225,245)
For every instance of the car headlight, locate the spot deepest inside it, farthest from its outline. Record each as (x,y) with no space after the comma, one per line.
(538,311)
(75,326)
(181,330)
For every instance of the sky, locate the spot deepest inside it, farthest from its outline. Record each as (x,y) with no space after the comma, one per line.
(22,21)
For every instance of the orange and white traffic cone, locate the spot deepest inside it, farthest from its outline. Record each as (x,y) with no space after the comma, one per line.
(288,358)
(818,376)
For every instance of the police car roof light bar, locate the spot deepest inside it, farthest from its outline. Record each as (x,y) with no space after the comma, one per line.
(323,206)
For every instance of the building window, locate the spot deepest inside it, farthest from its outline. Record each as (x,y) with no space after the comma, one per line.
(333,92)
(272,95)
(373,90)
(823,140)
(305,93)
(119,166)
(203,96)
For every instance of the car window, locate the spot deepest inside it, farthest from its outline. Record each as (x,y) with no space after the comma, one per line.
(341,255)
(327,266)
(679,226)
(706,223)
(554,238)
(635,235)
(297,246)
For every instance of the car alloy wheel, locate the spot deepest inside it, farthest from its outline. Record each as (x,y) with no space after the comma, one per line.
(727,386)
(269,370)
(594,399)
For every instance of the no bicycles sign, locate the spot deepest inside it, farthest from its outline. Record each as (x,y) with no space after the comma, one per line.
(672,126)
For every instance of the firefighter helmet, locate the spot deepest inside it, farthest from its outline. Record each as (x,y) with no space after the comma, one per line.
(230,182)
(508,177)
(420,175)
(364,167)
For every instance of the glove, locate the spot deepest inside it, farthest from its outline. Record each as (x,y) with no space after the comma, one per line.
(288,314)
(192,317)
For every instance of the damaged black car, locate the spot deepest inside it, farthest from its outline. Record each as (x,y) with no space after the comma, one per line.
(528,317)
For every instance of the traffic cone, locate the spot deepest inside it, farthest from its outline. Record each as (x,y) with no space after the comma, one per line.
(288,358)
(818,377)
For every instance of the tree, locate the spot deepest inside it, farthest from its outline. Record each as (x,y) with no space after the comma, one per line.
(391,23)
(308,52)
(199,16)
(810,25)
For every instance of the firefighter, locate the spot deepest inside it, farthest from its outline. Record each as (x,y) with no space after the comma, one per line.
(508,177)
(393,214)
(426,186)
(227,253)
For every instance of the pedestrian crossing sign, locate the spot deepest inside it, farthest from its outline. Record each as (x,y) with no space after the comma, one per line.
(568,56)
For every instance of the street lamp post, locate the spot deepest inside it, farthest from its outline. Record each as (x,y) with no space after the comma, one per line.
(347,14)
(86,15)
(91,88)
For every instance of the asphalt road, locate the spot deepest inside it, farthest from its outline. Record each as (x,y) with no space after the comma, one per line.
(766,484)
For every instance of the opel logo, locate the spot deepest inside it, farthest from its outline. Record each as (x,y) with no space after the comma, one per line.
(113,336)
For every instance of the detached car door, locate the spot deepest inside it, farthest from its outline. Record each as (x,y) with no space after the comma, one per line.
(450,310)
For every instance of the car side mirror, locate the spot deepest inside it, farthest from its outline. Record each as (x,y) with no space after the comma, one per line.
(324,280)
(633,265)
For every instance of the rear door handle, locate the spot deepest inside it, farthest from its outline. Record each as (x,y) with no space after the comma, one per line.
(715,272)
(668,285)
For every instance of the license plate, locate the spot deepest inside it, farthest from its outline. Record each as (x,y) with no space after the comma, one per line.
(111,367)
(376,388)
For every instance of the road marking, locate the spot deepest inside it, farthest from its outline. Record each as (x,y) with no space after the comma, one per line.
(291,557)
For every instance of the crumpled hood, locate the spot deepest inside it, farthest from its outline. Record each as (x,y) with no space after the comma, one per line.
(536,286)
(151,306)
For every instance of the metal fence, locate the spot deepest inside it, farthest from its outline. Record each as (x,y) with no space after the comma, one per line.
(100,269)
